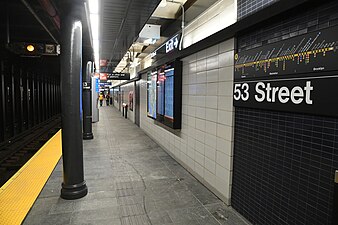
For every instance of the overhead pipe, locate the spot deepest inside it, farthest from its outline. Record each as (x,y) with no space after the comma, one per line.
(51,11)
(7,24)
(182,22)
(39,20)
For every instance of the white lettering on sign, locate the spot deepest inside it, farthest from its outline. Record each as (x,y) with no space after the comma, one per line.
(270,94)
(266,92)
(171,44)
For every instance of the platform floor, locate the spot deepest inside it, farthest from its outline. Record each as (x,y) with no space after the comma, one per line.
(131,181)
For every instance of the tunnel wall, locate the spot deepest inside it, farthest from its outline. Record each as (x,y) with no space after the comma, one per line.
(30,93)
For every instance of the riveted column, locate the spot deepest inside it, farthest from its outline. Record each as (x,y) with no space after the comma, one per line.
(87,102)
(74,185)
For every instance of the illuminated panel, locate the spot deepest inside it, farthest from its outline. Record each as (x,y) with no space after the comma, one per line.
(151,91)
(169,92)
(305,54)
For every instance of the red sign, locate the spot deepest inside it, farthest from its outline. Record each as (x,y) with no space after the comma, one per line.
(103,62)
(103,76)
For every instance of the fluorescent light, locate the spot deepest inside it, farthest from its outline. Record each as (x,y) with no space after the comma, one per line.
(163,3)
(93,6)
(95,29)
(149,41)
(94,23)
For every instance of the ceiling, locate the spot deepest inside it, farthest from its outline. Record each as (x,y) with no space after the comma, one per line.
(120,23)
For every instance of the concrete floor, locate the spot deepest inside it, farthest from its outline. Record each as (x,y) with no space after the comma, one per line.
(131,181)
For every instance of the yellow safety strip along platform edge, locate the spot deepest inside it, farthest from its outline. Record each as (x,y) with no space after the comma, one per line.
(18,195)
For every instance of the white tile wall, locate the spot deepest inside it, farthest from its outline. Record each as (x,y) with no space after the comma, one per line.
(125,89)
(205,143)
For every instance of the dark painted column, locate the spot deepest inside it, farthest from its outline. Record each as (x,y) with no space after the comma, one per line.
(74,185)
(87,102)
(335,200)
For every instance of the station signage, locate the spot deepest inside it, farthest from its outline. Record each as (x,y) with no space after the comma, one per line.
(314,95)
(171,44)
(296,75)
(118,76)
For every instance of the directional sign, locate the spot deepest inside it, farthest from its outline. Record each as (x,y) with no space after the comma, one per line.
(118,76)
(171,44)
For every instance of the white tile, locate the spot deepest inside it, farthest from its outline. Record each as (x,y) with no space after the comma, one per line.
(191,100)
(226,73)
(201,54)
(200,124)
(191,121)
(223,187)
(223,173)
(200,112)
(212,89)
(212,62)
(201,65)
(212,75)
(192,89)
(226,59)
(227,45)
(185,70)
(190,58)
(210,140)
(225,103)
(224,146)
(192,78)
(200,135)
(192,111)
(185,99)
(191,142)
(201,89)
(201,77)
(184,148)
(225,88)
(191,152)
(212,51)
(200,101)
(224,132)
(210,127)
(210,152)
(199,169)
(210,165)
(184,109)
(192,68)
(211,114)
(224,160)
(199,158)
(211,102)
(185,89)
(210,178)
(225,117)
(191,162)
(199,146)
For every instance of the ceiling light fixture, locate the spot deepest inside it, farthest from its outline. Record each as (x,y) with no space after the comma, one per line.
(163,3)
(30,48)
(95,29)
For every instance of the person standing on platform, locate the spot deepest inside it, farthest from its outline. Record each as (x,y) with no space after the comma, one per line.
(107,99)
(101,99)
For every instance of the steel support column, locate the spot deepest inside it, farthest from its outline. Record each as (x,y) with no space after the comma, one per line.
(87,102)
(74,185)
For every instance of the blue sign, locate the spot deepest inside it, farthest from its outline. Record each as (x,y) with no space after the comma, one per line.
(97,88)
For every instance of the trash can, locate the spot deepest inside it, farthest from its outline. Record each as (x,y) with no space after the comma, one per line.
(124,110)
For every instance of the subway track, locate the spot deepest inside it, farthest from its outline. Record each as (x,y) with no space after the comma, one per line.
(14,153)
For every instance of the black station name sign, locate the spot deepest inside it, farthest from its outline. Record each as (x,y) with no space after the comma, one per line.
(118,76)
(296,75)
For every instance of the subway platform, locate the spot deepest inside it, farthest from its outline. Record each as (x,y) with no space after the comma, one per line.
(131,181)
